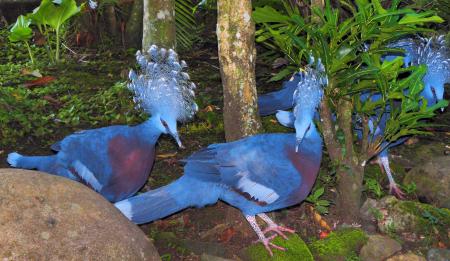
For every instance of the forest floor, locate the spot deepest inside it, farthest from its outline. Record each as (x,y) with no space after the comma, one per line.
(219,229)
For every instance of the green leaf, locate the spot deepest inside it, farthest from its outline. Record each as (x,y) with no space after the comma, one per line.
(21,30)
(268,14)
(420,18)
(55,13)
(281,75)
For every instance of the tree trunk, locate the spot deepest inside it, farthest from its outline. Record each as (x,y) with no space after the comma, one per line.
(237,55)
(159,24)
(134,25)
(349,171)
(111,21)
(349,189)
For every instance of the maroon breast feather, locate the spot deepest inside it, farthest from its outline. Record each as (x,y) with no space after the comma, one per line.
(307,166)
(131,160)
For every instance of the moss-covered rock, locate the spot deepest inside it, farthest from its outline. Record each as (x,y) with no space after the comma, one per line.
(432,180)
(396,216)
(296,249)
(339,245)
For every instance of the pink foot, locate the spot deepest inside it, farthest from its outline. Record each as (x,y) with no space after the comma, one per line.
(267,244)
(396,191)
(279,230)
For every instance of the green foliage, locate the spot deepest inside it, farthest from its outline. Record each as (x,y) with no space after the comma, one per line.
(320,205)
(21,31)
(350,48)
(49,17)
(373,186)
(54,14)
(410,188)
(339,244)
(186,26)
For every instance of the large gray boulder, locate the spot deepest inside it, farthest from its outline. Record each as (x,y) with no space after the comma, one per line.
(45,217)
(432,180)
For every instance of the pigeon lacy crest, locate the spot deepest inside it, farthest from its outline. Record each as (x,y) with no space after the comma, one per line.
(309,90)
(161,85)
(435,54)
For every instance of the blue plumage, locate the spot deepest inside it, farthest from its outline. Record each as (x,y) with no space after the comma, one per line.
(257,174)
(115,161)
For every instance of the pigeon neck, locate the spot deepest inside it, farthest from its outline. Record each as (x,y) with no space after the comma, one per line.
(150,129)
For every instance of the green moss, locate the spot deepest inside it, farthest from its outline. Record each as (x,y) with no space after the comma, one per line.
(296,249)
(339,245)
(427,215)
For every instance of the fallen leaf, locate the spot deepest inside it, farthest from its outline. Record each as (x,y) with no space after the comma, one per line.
(166,155)
(1,151)
(441,245)
(273,121)
(35,73)
(411,141)
(323,234)
(52,100)
(227,235)
(40,81)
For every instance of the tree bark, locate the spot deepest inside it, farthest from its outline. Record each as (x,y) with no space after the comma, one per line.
(159,24)
(349,169)
(237,55)
(134,25)
(111,20)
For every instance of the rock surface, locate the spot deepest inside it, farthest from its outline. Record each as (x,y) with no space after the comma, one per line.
(401,216)
(45,217)
(407,257)
(432,180)
(379,248)
(435,254)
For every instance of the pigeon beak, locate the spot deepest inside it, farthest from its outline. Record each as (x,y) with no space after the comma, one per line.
(177,139)
(297,143)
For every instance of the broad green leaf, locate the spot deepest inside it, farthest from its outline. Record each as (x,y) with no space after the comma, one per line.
(420,18)
(281,75)
(378,7)
(21,30)
(268,14)
(55,13)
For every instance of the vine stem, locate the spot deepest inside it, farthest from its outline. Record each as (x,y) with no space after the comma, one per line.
(29,52)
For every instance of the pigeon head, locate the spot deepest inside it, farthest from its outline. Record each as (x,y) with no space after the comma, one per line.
(307,98)
(168,125)
(162,88)
(434,53)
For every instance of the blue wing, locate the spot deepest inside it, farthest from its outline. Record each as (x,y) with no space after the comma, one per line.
(257,167)
(282,99)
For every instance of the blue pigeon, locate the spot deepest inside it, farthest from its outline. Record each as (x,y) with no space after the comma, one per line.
(432,52)
(115,161)
(257,174)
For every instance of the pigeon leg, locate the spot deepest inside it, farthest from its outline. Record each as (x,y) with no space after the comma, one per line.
(274,227)
(262,238)
(393,187)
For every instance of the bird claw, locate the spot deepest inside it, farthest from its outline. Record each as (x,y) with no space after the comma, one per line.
(279,230)
(267,244)
(396,191)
